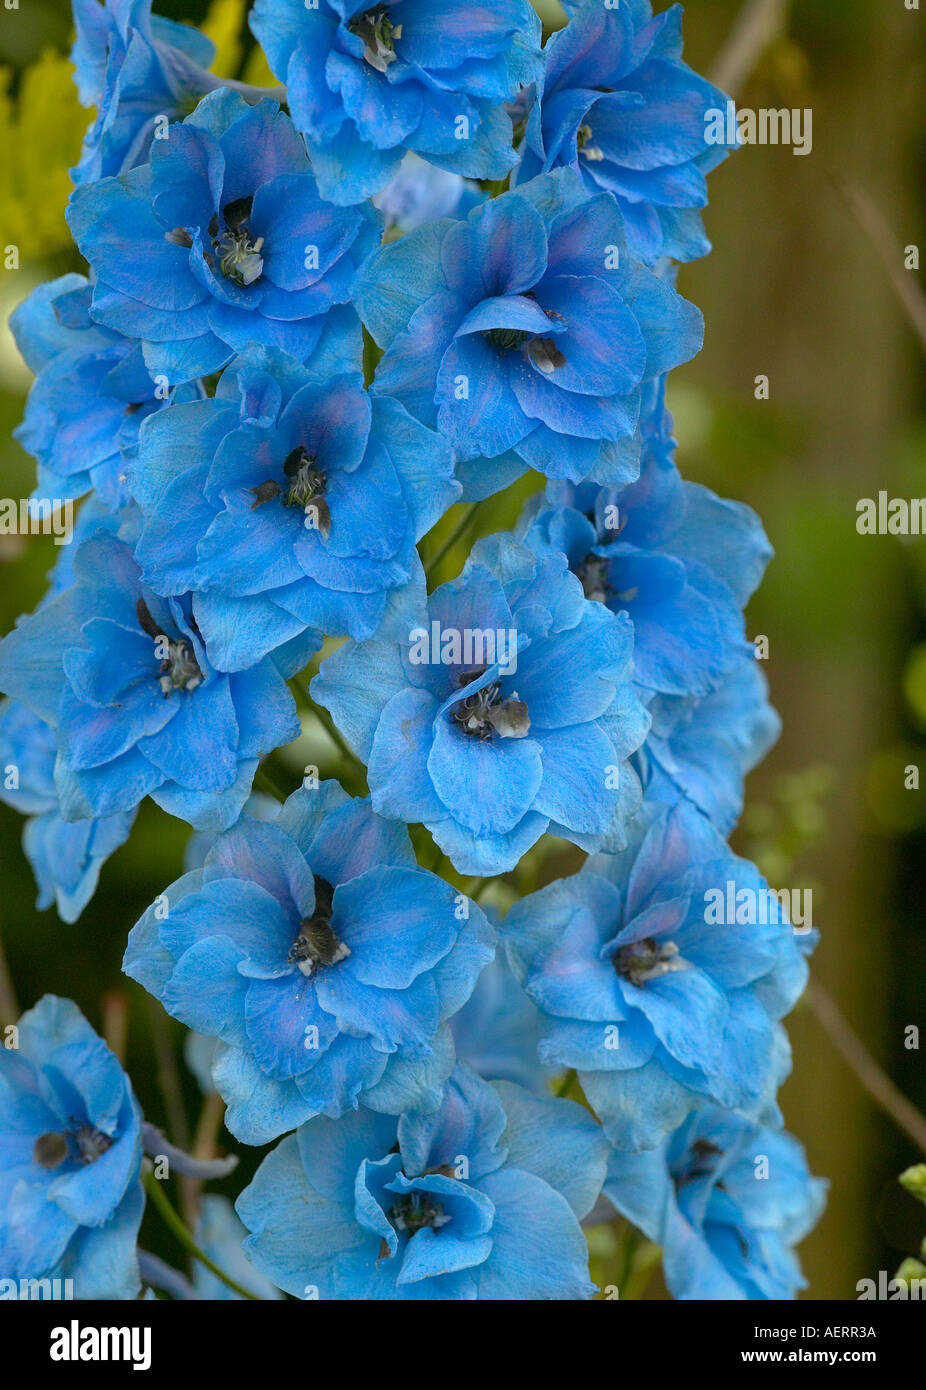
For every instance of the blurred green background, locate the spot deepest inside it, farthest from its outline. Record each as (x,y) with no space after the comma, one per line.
(796,290)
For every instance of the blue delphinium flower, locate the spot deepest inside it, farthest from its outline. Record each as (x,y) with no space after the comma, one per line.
(525,333)
(420,193)
(134,67)
(219,1234)
(70,1157)
(324,960)
(703,748)
(495,710)
(66,858)
(617,104)
(480,1200)
(496,1033)
(660,1006)
(138,710)
(727,1200)
(288,500)
(366,82)
(91,394)
(221,242)
(681,562)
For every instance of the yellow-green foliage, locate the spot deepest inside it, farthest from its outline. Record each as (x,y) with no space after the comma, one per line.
(40,134)
(224,25)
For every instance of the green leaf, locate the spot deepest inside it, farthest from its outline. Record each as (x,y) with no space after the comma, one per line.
(224,25)
(40,133)
(914,1180)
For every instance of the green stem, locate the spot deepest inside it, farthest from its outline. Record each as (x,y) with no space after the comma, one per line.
(477,888)
(334,733)
(646,1257)
(458,531)
(565,1085)
(264,781)
(170,1218)
(440,863)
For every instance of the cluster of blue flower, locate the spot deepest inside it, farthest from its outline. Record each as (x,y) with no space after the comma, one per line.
(503,221)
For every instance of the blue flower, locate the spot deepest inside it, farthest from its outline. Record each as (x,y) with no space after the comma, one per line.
(420,193)
(366,82)
(525,333)
(702,749)
(289,500)
(66,858)
(727,1200)
(496,710)
(662,996)
(618,105)
(681,562)
(221,242)
(138,710)
(70,1157)
(480,1200)
(219,1234)
(496,1032)
(323,959)
(91,394)
(135,68)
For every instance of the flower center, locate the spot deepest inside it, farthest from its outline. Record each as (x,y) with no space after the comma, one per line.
(416,1210)
(317,943)
(703,1164)
(379,36)
(592,152)
(593,574)
(239,257)
(179,669)
(596,577)
(543,352)
(484,714)
(647,960)
(84,1142)
(305,489)
(507,339)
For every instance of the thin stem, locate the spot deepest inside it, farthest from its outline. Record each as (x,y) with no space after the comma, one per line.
(168,1076)
(440,864)
(565,1085)
(334,733)
(160,1199)
(758,23)
(875,1081)
(462,526)
(265,782)
(646,1257)
(629,1241)
(9,1007)
(477,887)
(204,1145)
(875,226)
(116,1022)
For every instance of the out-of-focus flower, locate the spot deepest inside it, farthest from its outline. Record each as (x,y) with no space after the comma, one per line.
(727,1200)
(71,1199)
